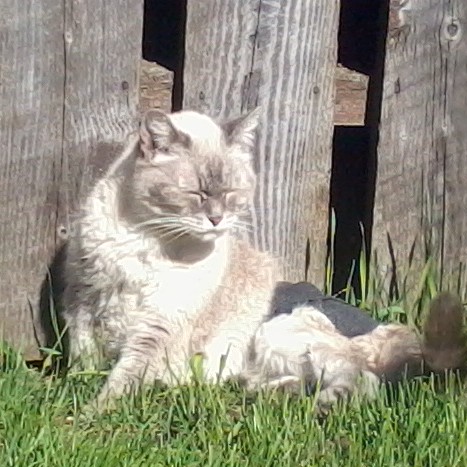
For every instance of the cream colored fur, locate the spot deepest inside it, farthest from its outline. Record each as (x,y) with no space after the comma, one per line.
(149,302)
(306,347)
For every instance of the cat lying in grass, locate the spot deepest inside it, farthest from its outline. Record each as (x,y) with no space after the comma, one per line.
(155,275)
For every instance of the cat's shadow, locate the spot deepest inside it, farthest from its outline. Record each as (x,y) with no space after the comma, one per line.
(53,339)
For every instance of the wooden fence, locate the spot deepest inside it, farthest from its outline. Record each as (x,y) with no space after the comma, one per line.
(69,83)
(421,193)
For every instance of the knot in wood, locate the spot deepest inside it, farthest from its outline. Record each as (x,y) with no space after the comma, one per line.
(452,29)
(62,232)
(68,37)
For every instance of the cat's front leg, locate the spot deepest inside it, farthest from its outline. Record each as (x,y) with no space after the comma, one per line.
(83,351)
(341,378)
(146,357)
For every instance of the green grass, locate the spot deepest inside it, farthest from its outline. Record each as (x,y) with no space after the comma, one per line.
(411,425)
(212,426)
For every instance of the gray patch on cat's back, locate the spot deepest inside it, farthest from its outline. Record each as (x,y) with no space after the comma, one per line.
(348,320)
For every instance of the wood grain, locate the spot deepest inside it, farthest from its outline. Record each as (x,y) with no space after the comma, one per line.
(31,99)
(156,84)
(155,88)
(282,56)
(420,205)
(62,69)
(351,96)
(102,62)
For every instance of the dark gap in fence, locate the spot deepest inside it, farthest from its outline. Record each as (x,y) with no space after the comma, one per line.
(361,47)
(373,115)
(177,95)
(164,39)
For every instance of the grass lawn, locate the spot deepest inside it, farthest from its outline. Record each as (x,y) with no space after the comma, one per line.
(207,426)
(410,426)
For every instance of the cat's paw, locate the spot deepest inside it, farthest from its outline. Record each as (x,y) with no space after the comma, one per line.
(220,364)
(365,386)
(85,416)
(368,385)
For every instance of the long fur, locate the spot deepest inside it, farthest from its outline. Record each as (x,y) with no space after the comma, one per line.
(305,346)
(151,281)
(155,275)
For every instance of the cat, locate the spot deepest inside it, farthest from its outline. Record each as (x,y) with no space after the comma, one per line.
(155,274)
(152,274)
(344,350)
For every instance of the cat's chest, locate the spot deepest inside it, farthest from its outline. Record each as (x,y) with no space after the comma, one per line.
(185,289)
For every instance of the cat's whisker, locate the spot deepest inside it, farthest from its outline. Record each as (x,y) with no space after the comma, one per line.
(174,231)
(158,220)
(246,224)
(162,233)
(169,225)
(245,228)
(193,224)
(160,228)
(240,224)
(239,219)
(178,235)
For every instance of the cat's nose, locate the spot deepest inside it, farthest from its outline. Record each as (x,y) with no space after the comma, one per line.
(215,220)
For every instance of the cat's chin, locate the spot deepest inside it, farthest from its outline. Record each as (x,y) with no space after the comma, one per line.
(209,235)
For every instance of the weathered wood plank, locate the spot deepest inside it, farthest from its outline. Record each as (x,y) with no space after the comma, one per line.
(31,98)
(351,95)
(59,100)
(282,56)
(155,88)
(103,43)
(420,193)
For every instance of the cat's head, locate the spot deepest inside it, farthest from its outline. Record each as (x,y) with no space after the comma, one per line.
(194,176)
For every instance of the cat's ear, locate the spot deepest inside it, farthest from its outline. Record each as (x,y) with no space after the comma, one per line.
(158,136)
(242,130)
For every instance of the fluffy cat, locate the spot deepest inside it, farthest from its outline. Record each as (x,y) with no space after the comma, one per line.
(154,274)
(306,346)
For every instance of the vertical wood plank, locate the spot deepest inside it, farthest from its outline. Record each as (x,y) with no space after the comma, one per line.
(69,83)
(103,43)
(420,193)
(282,56)
(31,109)
(454,140)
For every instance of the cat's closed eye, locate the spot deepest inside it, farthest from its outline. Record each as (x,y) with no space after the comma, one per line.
(230,198)
(200,197)
(235,200)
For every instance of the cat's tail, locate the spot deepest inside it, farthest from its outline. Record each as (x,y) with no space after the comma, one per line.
(444,340)
(395,351)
